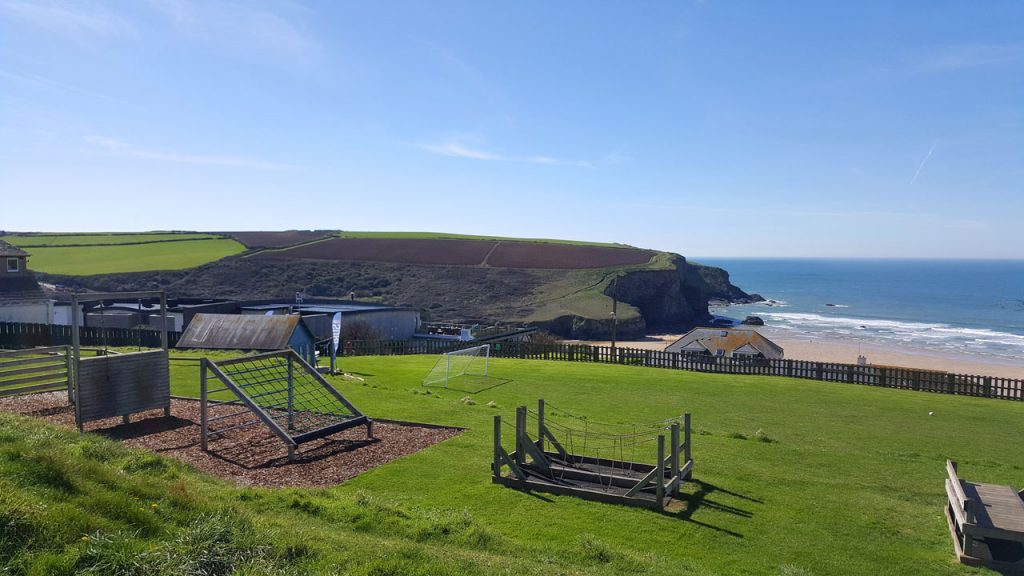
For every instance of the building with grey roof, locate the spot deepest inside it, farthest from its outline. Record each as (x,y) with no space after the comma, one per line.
(21,297)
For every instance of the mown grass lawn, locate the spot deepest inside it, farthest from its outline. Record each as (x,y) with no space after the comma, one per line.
(85,260)
(849,482)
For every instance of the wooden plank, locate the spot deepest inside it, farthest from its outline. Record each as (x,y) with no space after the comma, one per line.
(31,379)
(955,480)
(999,512)
(53,365)
(5,364)
(956,504)
(49,387)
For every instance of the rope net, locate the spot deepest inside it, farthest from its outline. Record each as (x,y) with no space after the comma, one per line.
(298,403)
(616,447)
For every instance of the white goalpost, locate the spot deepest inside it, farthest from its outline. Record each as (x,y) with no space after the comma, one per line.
(466,362)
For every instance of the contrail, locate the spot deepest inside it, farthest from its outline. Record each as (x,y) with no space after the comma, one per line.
(923,162)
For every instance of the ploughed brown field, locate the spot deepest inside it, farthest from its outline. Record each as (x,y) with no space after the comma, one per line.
(499,254)
(275,239)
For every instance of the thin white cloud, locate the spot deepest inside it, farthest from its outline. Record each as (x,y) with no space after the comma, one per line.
(240,28)
(117,147)
(36,81)
(77,20)
(973,56)
(457,149)
(920,166)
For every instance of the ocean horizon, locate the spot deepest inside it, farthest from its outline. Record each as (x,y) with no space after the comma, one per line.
(971,307)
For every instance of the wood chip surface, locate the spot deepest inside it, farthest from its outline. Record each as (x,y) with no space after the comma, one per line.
(250,456)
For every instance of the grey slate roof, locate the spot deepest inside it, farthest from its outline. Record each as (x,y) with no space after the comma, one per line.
(240,331)
(9,250)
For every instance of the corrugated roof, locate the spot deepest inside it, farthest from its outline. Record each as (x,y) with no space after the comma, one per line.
(9,250)
(239,332)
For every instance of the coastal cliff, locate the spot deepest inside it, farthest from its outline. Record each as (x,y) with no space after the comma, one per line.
(570,304)
(672,299)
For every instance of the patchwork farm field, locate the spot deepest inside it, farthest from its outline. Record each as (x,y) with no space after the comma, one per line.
(127,257)
(465,252)
(791,478)
(277,239)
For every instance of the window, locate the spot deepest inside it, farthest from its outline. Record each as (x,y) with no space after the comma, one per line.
(12,265)
(720,352)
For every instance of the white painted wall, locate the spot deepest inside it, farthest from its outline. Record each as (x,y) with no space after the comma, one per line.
(38,312)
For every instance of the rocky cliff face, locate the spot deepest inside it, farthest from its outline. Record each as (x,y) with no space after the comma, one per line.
(675,299)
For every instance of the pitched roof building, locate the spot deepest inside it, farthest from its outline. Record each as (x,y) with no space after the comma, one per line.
(728,343)
(249,332)
(21,297)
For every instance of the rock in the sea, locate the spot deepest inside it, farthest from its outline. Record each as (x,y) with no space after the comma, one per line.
(753,321)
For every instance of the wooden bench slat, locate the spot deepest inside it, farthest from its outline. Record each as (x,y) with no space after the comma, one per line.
(954,503)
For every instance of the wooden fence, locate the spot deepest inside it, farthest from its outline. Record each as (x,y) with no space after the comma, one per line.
(14,335)
(883,376)
(18,335)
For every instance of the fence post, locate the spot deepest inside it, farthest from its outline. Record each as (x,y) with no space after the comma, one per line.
(203,399)
(687,443)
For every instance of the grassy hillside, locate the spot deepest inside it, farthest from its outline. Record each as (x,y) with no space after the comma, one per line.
(450,236)
(35,240)
(125,257)
(793,478)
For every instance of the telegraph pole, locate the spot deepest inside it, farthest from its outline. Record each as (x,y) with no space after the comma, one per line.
(615,307)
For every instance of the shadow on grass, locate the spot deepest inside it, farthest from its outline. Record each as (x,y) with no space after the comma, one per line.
(474,385)
(702,499)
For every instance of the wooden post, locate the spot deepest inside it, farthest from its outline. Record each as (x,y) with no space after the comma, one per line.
(76,344)
(659,478)
(540,424)
(520,425)
(688,444)
(496,465)
(675,457)
(203,399)
(291,394)
(68,367)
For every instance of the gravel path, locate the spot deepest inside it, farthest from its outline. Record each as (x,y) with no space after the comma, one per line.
(250,456)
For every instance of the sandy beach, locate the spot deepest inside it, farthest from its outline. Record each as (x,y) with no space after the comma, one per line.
(846,351)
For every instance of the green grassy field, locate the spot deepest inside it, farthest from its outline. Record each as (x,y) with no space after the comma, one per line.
(34,240)
(792,478)
(85,260)
(448,236)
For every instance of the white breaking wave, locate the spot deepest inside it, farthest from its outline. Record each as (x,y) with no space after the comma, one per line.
(931,333)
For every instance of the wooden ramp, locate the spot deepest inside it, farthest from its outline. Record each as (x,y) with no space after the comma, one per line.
(616,481)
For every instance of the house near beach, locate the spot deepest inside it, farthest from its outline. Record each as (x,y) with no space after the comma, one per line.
(21,297)
(728,343)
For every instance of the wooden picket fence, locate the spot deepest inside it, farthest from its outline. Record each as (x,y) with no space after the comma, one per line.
(16,335)
(882,376)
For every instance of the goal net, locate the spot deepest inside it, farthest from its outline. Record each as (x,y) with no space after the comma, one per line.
(466,362)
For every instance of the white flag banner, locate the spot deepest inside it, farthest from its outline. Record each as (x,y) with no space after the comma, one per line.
(335,333)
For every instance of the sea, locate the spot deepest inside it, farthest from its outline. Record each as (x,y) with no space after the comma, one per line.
(972,307)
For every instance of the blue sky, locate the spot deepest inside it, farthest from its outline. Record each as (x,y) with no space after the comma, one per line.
(706,128)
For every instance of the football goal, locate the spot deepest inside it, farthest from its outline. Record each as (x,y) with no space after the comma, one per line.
(466,362)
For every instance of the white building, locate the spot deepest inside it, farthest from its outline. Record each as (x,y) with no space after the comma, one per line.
(21,298)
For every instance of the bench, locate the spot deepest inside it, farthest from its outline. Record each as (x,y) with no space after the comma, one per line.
(986,522)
